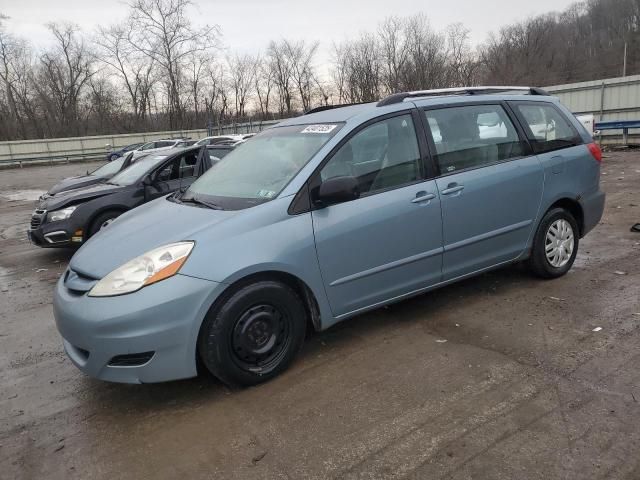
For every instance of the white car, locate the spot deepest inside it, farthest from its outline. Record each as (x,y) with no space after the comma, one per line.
(156,146)
(216,139)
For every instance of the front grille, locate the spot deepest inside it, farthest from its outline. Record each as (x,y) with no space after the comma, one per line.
(37,218)
(78,282)
(131,360)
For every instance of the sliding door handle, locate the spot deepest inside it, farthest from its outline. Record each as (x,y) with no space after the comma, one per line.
(452,188)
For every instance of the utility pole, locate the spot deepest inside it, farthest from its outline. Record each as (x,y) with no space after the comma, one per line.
(624,62)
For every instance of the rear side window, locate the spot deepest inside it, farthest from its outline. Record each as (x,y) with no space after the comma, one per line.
(472,136)
(381,156)
(546,127)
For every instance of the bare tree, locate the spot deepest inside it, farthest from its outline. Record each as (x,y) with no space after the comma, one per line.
(241,76)
(263,85)
(64,72)
(164,33)
(394,52)
(215,97)
(12,51)
(462,65)
(195,72)
(116,51)
(300,57)
(282,75)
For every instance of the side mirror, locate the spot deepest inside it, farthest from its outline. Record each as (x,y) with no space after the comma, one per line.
(147,182)
(337,190)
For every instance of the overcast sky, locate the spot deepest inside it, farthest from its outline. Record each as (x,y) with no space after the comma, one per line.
(248,25)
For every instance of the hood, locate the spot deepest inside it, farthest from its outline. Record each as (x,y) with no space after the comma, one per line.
(151,225)
(73,183)
(78,195)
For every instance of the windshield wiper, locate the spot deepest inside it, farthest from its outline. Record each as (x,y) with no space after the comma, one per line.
(199,201)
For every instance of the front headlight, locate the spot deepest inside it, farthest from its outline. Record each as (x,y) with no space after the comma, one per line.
(153,266)
(58,215)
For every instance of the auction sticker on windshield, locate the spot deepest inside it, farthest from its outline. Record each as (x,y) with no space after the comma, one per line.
(319,129)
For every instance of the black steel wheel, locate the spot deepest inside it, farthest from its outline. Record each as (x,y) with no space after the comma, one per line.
(261,337)
(252,333)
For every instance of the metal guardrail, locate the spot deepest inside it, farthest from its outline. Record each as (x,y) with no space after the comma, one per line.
(624,125)
(24,152)
(67,158)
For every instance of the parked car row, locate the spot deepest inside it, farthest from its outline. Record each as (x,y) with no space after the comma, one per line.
(318,219)
(140,149)
(76,208)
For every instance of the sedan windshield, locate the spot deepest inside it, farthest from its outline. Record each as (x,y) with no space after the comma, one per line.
(110,168)
(257,171)
(136,171)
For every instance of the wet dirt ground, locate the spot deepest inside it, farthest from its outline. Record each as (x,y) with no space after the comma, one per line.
(497,377)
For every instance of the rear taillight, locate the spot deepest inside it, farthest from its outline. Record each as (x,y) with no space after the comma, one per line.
(595,151)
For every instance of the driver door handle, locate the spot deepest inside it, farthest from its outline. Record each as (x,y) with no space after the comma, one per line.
(423,198)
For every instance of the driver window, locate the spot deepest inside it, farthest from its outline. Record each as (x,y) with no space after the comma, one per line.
(170,171)
(381,156)
(188,165)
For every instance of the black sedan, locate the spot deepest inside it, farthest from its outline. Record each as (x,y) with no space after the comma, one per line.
(101,174)
(70,218)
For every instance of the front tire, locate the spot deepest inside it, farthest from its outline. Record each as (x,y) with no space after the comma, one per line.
(555,245)
(102,221)
(253,334)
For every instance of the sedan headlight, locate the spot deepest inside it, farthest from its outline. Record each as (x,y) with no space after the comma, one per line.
(152,267)
(58,215)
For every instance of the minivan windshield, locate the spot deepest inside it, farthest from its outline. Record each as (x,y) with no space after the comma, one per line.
(136,171)
(258,170)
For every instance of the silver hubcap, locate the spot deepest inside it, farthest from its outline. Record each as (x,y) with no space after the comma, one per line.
(559,243)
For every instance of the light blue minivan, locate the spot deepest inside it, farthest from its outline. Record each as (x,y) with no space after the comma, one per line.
(323,217)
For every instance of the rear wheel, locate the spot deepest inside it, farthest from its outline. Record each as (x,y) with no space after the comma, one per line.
(555,245)
(253,334)
(102,221)
(113,157)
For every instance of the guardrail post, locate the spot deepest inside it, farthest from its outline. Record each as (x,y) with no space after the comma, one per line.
(625,136)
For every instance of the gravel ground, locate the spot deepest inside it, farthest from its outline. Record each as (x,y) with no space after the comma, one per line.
(497,377)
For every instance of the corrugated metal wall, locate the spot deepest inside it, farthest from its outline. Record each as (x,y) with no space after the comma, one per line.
(609,100)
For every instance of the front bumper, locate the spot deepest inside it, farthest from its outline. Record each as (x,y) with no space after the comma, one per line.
(54,234)
(161,320)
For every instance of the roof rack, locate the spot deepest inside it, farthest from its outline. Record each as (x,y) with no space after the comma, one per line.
(400,97)
(331,107)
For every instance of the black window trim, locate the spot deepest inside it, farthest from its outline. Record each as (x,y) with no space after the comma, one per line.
(302,202)
(513,104)
(510,114)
